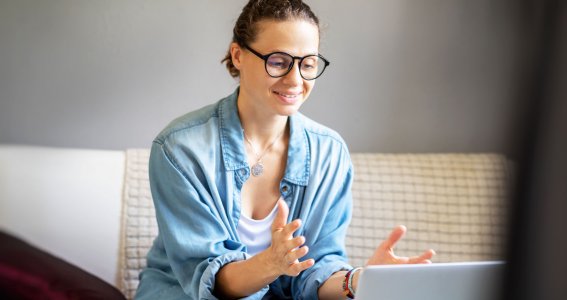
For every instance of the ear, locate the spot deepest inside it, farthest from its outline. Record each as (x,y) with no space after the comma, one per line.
(236,53)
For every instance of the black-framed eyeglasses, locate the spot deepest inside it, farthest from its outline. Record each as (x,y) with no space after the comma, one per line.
(278,64)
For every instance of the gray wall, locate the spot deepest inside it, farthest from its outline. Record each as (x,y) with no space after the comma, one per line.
(406,76)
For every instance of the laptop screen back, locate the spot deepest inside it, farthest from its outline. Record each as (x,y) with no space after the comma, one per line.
(442,281)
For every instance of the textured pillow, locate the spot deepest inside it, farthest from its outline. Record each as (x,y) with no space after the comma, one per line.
(29,273)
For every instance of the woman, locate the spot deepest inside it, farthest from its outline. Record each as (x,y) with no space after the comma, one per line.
(252,198)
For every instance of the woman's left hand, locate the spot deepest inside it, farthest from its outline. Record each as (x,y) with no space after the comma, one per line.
(384,254)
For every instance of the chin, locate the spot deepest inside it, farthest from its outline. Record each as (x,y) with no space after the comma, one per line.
(287,110)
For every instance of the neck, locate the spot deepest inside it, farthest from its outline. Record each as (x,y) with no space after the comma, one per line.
(262,128)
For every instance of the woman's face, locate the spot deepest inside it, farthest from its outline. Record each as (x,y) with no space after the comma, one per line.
(284,95)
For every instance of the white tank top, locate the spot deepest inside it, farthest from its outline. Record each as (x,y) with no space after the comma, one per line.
(256,234)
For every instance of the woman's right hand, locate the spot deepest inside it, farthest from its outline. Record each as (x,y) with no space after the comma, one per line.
(285,251)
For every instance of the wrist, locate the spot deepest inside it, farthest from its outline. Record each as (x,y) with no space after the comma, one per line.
(350,283)
(355,278)
(267,261)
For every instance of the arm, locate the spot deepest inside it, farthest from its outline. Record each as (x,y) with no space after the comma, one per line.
(333,287)
(242,278)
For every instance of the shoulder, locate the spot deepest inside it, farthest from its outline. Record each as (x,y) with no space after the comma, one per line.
(320,135)
(190,123)
(188,141)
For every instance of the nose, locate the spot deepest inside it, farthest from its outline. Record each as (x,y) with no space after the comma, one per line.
(293,77)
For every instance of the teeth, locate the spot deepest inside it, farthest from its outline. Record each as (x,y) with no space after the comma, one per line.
(287,96)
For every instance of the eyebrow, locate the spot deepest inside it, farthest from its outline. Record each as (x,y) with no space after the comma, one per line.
(279,50)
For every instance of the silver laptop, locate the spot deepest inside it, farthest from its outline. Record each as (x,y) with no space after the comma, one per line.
(437,281)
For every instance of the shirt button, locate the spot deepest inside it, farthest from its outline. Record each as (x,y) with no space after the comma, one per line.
(242,172)
(284,189)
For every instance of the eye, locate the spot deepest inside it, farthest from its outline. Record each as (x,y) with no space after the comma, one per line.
(278,61)
(309,63)
(277,64)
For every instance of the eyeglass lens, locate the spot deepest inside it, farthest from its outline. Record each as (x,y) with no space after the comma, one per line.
(279,64)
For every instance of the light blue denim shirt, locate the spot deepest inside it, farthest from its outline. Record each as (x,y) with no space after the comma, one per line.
(197,168)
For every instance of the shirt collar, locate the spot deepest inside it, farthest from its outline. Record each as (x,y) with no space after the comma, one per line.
(232,142)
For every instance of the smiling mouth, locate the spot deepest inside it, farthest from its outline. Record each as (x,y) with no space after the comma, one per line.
(290,96)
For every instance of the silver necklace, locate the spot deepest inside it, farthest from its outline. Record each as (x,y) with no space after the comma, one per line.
(258,168)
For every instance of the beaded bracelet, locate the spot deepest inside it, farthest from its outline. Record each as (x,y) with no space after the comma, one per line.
(347,283)
(346,290)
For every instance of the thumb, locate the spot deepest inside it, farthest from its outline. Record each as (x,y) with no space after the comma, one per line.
(281,217)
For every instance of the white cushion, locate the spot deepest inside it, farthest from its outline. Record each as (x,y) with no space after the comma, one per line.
(65,201)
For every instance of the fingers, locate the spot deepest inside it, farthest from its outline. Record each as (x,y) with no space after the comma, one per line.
(280,221)
(294,255)
(425,257)
(384,254)
(286,256)
(290,228)
(296,242)
(397,233)
(281,217)
(293,250)
(299,267)
(286,250)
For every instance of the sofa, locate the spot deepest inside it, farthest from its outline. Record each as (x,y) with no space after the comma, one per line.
(92,210)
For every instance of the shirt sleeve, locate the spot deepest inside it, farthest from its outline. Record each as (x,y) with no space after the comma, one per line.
(332,200)
(193,224)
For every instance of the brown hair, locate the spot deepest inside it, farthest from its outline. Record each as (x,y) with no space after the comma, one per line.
(245,29)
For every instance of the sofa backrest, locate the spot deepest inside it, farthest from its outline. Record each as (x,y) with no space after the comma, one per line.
(139,225)
(453,203)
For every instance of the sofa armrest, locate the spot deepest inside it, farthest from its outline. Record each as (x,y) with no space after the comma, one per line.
(65,201)
(29,273)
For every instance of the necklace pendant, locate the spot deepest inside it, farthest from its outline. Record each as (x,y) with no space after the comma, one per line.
(257,169)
